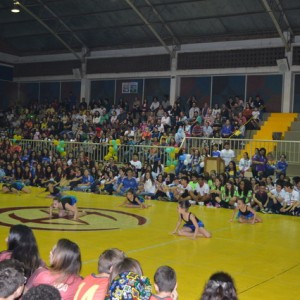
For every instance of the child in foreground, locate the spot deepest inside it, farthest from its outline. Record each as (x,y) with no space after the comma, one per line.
(244,213)
(193,227)
(165,284)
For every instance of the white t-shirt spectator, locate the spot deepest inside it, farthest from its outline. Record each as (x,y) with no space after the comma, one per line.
(244,164)
(149,186)
(290,198)
(227,156)
(137,164)
(202,190)
(166,120)
(154,105)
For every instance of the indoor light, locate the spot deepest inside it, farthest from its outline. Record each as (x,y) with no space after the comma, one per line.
(15,9)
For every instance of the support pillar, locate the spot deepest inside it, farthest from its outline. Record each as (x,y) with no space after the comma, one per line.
(174,84)
(287,96)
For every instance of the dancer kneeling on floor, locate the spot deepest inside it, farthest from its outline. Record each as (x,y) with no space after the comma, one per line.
(193,227)
(66,205)
(244,213)
(132,200)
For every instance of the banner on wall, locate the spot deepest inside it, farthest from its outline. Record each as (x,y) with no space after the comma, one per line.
(129,88)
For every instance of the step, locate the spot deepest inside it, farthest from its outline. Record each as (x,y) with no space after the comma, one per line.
(295,126)
(292,136)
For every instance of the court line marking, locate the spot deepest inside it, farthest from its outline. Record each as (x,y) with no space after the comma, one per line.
(156,245)
(269,279)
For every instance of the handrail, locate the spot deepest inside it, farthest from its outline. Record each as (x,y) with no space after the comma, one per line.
(241,126)
(97,151)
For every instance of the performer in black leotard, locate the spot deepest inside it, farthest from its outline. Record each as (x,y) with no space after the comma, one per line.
(193,227)
(66,204)
(132,200)
(244,213)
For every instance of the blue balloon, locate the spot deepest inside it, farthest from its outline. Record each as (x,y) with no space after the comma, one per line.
(181,157)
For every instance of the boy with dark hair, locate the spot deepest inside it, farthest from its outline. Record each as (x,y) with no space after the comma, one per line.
(94,286)
(42,291)
(261,198)
(165,284)
(12,279)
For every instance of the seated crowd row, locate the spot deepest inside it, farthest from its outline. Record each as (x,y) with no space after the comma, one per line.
(101,122)
(150,181)
(118,276)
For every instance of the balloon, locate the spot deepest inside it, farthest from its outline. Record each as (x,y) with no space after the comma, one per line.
(177,150)
(188,156)
(118,141)
(64,153)
(115,157)
(110,149)
(172,155)
(106,157)
(202,164)
(186,162)
(114,142)
(172,168)
(62,143)
(115,147)
(167,169)
(182,157)
(168,163)
(168,150)
(172,149)
(55,142)
(175,163)
(14,140)
(60,149)
(111,142)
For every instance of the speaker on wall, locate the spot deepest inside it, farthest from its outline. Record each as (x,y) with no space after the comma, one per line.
(76,73)
(283,65)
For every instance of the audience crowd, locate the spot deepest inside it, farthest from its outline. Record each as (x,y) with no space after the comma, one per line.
(181,179)
(268,189)
(117,276)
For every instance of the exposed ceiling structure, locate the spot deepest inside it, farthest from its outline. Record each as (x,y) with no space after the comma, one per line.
(56,26)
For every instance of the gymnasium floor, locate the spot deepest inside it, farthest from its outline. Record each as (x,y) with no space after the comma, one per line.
(264,258)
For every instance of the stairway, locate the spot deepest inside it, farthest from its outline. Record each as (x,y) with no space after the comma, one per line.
(276,122)
(291,148)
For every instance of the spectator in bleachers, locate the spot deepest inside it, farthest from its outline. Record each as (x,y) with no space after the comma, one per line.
(281,165)
(227,129)
(227,154)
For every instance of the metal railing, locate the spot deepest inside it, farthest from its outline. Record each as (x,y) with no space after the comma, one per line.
(277,147)
(97,152)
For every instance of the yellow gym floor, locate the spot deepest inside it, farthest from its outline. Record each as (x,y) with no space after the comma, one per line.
(263,258)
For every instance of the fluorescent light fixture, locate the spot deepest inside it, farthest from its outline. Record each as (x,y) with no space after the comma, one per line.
(15,9)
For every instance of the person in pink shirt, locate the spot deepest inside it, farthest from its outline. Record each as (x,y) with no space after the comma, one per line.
(63,273)
(22,246)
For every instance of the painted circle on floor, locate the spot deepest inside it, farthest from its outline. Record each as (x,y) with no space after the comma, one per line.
(37,217)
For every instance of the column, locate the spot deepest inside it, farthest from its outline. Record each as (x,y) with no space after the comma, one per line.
(287,86)
(174,84)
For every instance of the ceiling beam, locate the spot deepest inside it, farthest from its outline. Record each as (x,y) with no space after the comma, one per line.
(149,25)
(272,7)
(50,30)
(58,19)
(166,26)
